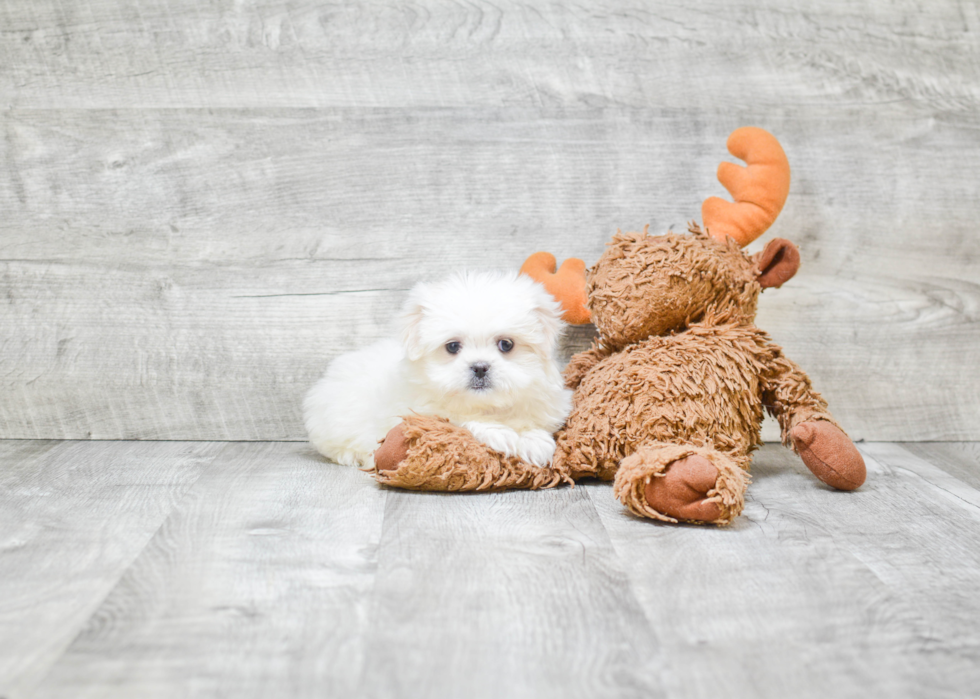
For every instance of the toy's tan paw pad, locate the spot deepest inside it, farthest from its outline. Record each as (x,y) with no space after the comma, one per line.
(829,454)
(393,449)
(682,492)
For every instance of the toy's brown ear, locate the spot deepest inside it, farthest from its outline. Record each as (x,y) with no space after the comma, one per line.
(777,263)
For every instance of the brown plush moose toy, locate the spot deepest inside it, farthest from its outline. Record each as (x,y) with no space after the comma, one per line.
(669,400)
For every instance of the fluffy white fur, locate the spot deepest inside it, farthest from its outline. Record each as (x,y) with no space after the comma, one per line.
(514,407)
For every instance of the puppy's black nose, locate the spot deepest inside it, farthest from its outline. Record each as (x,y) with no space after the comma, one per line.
(480,369)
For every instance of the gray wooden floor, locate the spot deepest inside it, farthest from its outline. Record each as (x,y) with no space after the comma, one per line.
(182,569)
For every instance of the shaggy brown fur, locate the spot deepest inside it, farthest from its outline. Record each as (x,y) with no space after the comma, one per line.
(434,454)
(674,388)
(679,368)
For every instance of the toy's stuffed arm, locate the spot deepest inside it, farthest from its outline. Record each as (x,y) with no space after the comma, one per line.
(808,428)
(789,397)
(424,452)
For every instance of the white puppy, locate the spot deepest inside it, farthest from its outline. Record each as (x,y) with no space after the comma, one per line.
(477,349)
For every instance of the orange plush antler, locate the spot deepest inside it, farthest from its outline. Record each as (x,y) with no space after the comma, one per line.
(759,188)
(567,285)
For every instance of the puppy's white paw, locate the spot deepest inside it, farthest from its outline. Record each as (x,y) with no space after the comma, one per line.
(498,437)
(361,459)
(537,447)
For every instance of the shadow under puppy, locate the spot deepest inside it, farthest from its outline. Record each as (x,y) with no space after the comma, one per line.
(476,349)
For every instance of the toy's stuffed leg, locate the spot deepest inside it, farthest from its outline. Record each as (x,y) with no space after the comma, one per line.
(430,453)
(809,429)
(676,482)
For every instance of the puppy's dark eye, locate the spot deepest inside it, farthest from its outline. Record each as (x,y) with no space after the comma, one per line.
(454,347)
(505,345)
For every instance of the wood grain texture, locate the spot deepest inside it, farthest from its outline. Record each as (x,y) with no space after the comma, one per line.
(256,585)
(813,592)
(203,205)
(467,600)
(425,54)
(959,459)
(160,569)
(73,517)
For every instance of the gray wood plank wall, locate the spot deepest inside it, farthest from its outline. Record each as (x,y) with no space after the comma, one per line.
(201,204)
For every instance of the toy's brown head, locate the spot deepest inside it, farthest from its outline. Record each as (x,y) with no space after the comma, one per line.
(646,285)
(653,285)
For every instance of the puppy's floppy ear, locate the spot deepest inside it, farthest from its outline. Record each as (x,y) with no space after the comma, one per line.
(549,316)
(410,322)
